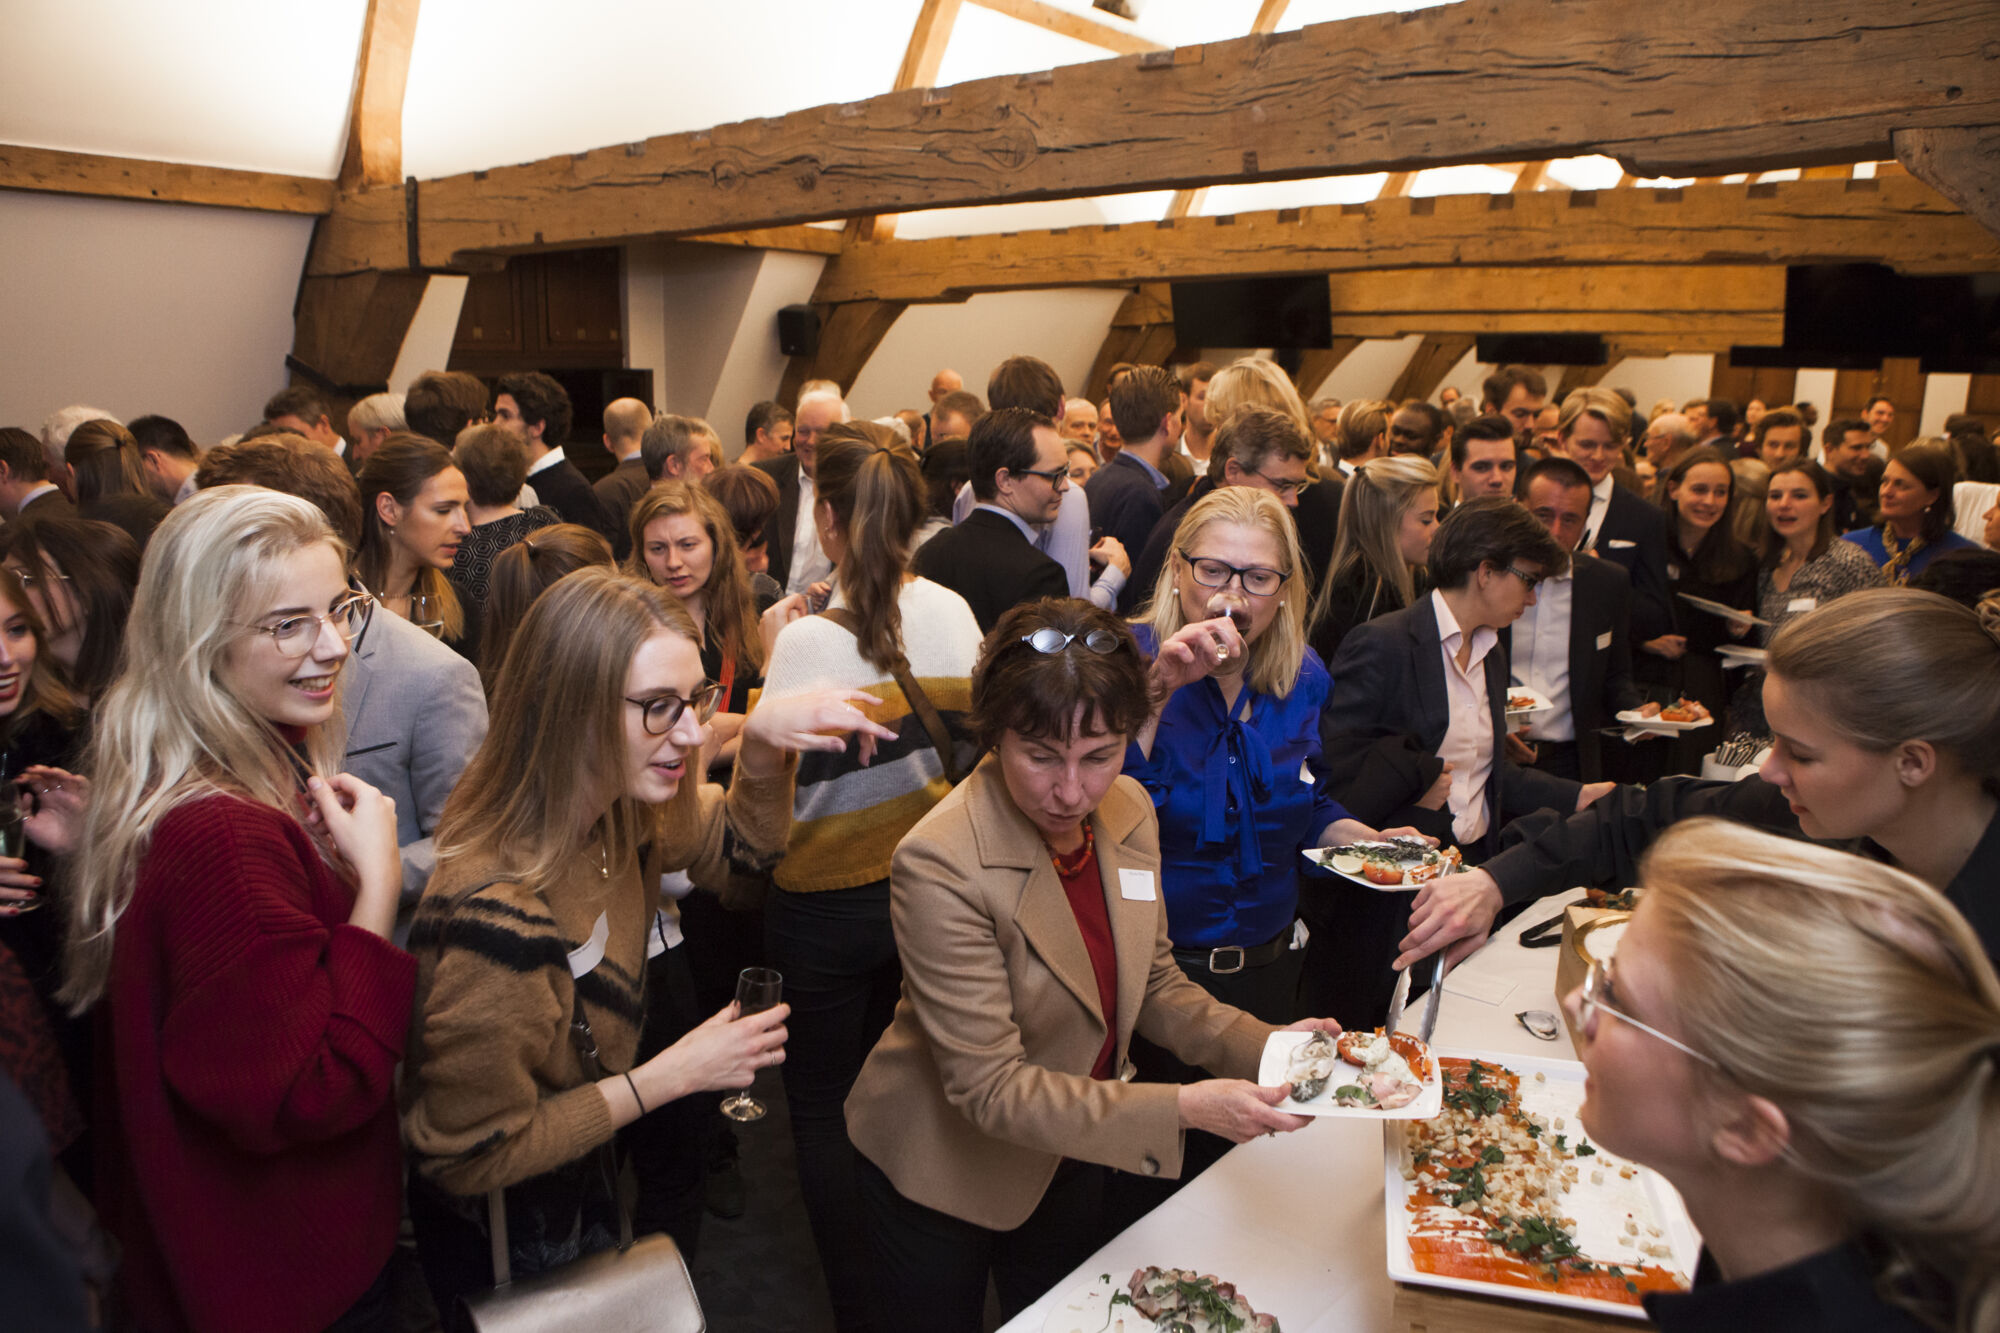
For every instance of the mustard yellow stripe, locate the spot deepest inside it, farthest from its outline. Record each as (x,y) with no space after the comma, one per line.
(846,850)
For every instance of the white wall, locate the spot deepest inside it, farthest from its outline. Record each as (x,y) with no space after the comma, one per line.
(1063,328)
(140,307)
(1651,378)
(754,365)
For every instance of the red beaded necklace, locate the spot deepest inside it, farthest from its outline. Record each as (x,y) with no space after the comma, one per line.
(1068,864)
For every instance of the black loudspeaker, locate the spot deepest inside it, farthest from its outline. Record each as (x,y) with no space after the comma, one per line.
(1541,349)
(798,330)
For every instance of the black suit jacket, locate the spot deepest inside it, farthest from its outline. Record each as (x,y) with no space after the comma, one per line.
(987,561)
(1389,676)
(49,504)
(1600,678)
(1124,503)
(1633,536)
(778,528)
(563,489)
(1857,500)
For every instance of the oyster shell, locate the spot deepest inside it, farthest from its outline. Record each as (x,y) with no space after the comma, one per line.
(1311,1066)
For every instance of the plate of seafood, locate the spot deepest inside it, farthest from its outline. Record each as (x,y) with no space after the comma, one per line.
(1381,1076)
(1522,701)
(1504,1194)
(1155,1298)
(1681,715)
(1391,863)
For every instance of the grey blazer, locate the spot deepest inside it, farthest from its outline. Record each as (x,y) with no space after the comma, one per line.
(415,713)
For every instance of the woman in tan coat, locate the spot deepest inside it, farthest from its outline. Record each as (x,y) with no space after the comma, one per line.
(1027,912)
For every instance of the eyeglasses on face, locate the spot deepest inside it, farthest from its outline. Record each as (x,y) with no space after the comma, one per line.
(1257,580)
(660,712)
(1533,581)
(1057,477)
(29,582)
(295,635)
(1049,639)
(1285,487)
(1599,995)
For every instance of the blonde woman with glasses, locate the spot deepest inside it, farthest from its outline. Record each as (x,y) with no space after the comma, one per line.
(1806,1045)
(1231,759)
(234,901)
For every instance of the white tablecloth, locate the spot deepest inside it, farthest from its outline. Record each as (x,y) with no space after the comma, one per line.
(1296,1221)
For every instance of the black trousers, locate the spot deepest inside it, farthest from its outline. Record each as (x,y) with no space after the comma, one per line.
(668,1146)
(837,952)
(931,1268)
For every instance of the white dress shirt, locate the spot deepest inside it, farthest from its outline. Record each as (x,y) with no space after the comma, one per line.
(1468,738)
(1600,500)
(809,563)
(1540,656)
(546,461)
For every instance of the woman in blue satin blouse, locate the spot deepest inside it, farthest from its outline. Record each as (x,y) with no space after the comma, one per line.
(1232,760)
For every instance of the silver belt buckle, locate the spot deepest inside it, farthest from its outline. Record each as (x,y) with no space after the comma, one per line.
(1217,968)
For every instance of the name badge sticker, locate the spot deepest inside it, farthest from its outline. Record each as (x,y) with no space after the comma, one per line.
(1603,641)
(1136,886)
(1802,604)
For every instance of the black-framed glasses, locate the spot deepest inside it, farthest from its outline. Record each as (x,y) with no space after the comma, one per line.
(1049,639)
(1598,995)
(1283,487)
(1257,580)
(1533,581)
(662,711)
(1057,477)
(295,635)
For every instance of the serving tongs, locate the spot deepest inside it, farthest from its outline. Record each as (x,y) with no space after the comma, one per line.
(1401,998)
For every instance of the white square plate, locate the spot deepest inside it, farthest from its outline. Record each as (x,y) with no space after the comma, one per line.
(1278,1054)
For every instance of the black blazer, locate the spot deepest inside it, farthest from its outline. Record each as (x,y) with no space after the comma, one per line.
(1633,536)
(1389,675)
(991,565)
(49,504)
(1600,678)
(778,528)
(563,489)
(1125,504)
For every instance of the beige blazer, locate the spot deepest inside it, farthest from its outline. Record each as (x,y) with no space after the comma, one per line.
(982,1083)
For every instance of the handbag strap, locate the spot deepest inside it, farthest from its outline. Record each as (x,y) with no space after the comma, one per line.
(913,694)
(585,1042)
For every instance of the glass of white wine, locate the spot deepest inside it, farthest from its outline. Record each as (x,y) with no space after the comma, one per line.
(426,614)
(757,989)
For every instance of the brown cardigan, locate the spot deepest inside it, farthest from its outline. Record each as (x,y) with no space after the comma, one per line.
(982,1083)
(493,1092)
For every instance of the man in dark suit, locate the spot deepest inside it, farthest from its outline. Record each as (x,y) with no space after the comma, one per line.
(1621,526)
(536,408)
(1124,494)
(25,487)
(625,422)
(1258,448)
(1572,647)
(1855,472)
(791,535)
(1020,469)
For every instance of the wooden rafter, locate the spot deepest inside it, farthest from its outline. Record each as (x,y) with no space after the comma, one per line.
(57,172)
(1269,14)
(375,122)
(1688,97)
(1962,164)
(1428,365)
(1109,34)
(929,36)
(849,336)
(800,239)
(1898,221)
(1531,177)
(1315,364)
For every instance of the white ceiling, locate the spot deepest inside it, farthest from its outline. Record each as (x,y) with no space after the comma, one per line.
(265,84)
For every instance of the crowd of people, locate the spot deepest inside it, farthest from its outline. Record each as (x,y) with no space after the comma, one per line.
(394,808)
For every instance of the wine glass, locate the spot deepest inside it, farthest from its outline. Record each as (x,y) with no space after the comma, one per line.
(757,989)
(14,836)
(426,614)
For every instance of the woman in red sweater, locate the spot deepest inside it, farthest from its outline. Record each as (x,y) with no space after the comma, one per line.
(234,903)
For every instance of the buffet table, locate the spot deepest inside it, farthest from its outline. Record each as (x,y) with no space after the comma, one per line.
(1295,1221)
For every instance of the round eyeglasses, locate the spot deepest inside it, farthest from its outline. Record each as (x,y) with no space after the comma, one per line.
(659,713)
(1049,639)
(295,635)
(1258,580)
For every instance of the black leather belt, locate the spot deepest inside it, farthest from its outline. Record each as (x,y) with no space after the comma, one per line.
(1234,957)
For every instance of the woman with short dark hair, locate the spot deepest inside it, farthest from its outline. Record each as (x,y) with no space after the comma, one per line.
(494,462)
(1034,945)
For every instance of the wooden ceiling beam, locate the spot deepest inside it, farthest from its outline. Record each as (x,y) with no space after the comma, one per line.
(929,36)
(1961,164)
(1111,35)
(1428,365)
(55,171)
(800,239)
(1899,221)
(375,121)
(1664,91)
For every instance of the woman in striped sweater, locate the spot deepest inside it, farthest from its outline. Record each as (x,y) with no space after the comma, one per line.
(827,928)
(550,853)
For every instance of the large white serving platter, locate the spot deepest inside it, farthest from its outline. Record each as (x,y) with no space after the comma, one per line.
(1278,1054)
(1323,858)
(1600,1210)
